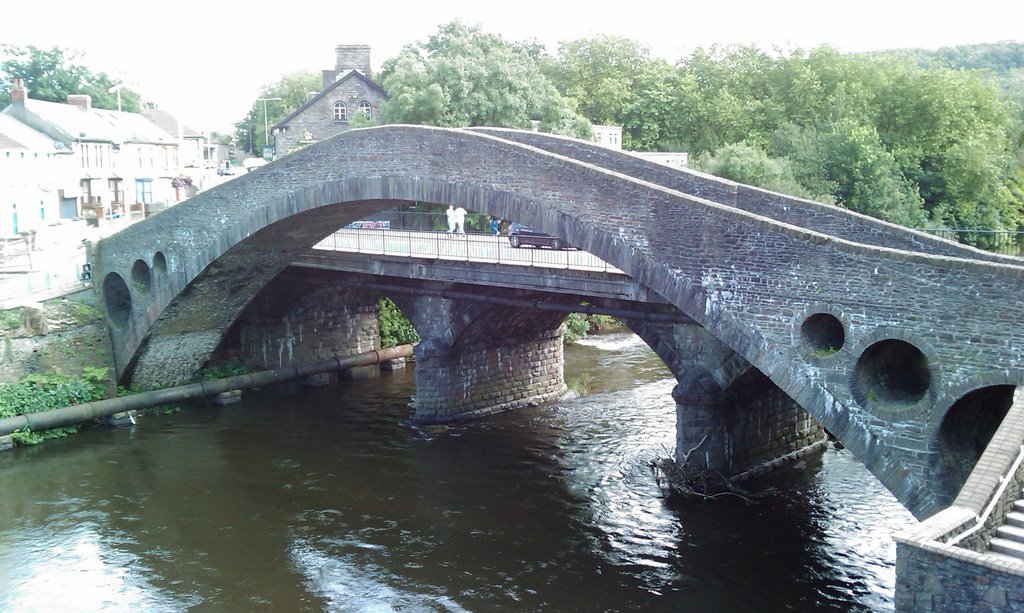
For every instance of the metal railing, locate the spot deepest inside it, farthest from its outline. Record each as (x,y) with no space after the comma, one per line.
(470,247)
(1003,242)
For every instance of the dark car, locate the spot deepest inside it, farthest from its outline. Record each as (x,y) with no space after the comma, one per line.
(520,236)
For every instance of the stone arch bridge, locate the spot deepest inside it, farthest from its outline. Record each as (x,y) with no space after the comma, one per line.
(905,346)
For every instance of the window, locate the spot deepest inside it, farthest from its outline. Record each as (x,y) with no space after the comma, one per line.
(340,112)
(144,191)
(115,189)
(366,109)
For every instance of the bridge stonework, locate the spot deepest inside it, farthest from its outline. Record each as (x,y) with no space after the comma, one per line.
(296,321)
(474,359)
(876,339)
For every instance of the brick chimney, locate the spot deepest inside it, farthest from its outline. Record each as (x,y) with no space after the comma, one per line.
(82,100)
(18,92)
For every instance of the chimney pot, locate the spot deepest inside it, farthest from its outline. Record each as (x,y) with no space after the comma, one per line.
(18,91)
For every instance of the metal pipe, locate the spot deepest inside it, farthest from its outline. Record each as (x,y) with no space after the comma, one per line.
(101,408)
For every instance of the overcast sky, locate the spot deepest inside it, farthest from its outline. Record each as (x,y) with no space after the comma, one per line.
(206,60)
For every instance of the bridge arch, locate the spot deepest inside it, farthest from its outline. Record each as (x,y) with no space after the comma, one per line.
(740,275)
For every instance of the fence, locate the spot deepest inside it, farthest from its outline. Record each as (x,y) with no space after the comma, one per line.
(490,248)
(1003,242)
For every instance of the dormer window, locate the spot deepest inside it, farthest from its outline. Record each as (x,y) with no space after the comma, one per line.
(340,111)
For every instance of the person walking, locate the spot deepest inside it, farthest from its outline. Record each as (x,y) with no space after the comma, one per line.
(460,220)
(452,223)
(495,225)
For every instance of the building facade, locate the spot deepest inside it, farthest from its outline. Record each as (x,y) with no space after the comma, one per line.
(89,163)
(348,92)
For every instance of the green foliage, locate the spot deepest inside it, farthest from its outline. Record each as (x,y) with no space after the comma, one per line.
(293,90)
(750,165)
(465,77)
(576,327)
(42,392)
(580,384)
(25,437)
(395,329)
(223,370)
(10,320)
(51,75)
(616,82)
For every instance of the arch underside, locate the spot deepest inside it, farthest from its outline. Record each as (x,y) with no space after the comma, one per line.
(741,277)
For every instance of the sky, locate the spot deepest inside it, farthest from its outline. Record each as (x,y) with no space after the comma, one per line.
(207,61)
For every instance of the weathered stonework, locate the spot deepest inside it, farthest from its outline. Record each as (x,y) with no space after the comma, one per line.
(298,322)
(452,386)
(750,280)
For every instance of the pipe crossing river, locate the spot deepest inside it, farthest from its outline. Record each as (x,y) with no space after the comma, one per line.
(102,408)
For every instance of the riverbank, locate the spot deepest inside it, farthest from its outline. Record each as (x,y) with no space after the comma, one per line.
(63,335)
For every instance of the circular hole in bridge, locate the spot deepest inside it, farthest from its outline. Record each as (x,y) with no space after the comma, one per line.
(894,372)
(824,333)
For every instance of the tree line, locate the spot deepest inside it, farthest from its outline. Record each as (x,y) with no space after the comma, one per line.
(924,139)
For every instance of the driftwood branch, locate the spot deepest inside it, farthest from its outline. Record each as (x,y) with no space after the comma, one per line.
(690,483)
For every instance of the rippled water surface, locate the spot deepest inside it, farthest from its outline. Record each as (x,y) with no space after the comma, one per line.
(321,500)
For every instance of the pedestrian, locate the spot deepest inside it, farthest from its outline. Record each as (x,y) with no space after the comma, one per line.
(495,225)
(452,223)
(460,220)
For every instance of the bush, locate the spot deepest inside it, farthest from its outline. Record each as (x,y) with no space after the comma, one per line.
(395,328)
(42,392)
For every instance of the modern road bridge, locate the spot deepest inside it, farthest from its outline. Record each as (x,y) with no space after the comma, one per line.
(905,346)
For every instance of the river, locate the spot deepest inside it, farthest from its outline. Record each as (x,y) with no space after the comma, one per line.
(321,499)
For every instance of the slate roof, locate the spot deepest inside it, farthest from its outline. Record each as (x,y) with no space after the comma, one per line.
(98,125)
(16,135)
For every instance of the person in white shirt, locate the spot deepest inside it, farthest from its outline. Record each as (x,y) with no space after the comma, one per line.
(452,224)
(460,220)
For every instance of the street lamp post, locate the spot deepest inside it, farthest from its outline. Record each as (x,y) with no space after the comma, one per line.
(266,129)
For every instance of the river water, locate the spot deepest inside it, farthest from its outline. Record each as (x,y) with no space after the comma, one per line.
(320,499)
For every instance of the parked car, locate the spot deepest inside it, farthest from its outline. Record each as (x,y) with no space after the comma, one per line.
(520,236)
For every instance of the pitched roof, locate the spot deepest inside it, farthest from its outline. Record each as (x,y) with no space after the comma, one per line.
(350,74)
(98,124)
(169,123)
(16,135)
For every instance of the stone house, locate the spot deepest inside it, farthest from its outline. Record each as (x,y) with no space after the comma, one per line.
(347,91)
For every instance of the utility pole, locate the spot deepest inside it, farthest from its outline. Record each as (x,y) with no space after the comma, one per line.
(266,129)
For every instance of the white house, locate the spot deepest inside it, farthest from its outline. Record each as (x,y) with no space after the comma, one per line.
(32,165)
(123,161)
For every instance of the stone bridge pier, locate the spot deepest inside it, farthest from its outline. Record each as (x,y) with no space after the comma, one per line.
(298,320)
(474,359)
(729,416)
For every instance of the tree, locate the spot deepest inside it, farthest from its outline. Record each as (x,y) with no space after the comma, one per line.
(51,75)
(465,77)
(292,91)
(616,82)
(750,165)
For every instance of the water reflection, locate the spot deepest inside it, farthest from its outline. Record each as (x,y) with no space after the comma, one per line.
(318,500)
